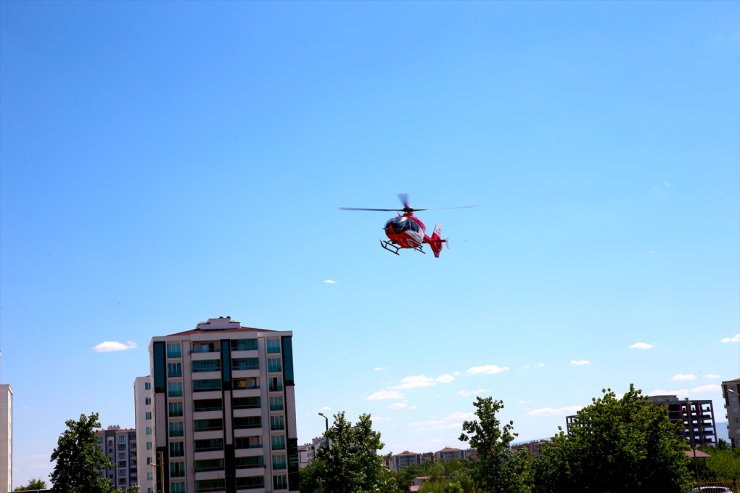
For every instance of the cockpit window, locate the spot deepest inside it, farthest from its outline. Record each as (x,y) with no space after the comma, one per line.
(401,224)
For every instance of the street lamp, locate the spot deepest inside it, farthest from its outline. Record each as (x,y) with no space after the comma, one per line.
(326,420)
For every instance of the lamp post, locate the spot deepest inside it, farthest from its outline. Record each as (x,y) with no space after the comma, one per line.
(326,430)
(326,420)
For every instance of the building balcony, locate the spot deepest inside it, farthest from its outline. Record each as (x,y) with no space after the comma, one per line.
(211,454)
(208,435)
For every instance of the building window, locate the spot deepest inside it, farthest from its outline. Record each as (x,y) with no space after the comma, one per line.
(246,383)
(206,385)
(204,485)
(273,345)
(248,442)
(148,430)
(208,445)
(276,384)
(250,483)
(200,405)
(246,422)
(276,403)
(147,386)
(277,423)
(278,442)
(174,370)
(177,449)
(177,469)
(245,364)
(176,488)
(121,438)
(274,365)
(280,482)
(246,402)
(279,462)
(148,445)
(174,389)
(174,350)
(209,465)
(176,429)
(205,347)
(208,424)
(200,366)
(148,401)
(249,462)
(148,415)
(174,409)
(244,344)
(149,475)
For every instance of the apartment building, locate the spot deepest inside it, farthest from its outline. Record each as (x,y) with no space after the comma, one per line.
(144,419)
(6,437)
(119,445)
(697,417)
(731,394)
(224,410)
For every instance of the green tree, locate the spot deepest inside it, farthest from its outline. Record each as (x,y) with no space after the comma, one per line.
(616,445)
(79,459)
(350,463)
(33,484)
(497,468)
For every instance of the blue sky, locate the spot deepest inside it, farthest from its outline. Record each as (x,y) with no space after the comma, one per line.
(162,163)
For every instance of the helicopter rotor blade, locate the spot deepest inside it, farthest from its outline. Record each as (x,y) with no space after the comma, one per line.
(367,209)
(404,198)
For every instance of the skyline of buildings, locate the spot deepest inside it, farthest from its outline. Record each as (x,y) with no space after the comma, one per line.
(119,445)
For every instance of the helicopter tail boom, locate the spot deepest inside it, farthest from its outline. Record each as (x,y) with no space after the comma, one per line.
(436,241)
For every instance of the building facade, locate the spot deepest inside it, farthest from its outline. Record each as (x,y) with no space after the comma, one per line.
(731,394)
(697,416)
(224,410)
(144,416)
(6,437)
(119,445)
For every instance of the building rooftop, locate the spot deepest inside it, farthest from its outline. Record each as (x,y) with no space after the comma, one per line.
(220,323)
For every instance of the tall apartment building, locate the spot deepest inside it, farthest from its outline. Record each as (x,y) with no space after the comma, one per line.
(6,437)
(144,416)
(224,410)
(697,417)
(731,394)
(119,445)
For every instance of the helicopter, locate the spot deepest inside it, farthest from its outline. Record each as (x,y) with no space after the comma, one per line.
(408,231)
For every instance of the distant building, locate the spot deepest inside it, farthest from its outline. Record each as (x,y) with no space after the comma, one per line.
(405,459)
(307,451)
(731,394)
(224,409)
(6,437)
(449,453)
(143,412)
(119,445)
(534,447)
(697,417)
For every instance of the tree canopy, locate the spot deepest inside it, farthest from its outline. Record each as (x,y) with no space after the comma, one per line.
(79,459)
(33,484)
(498,468)
(616,445)
(350,462)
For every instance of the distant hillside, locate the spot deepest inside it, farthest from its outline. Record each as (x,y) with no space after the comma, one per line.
(722,432)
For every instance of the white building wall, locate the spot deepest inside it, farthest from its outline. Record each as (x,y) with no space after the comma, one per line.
(6,438)
(144,433)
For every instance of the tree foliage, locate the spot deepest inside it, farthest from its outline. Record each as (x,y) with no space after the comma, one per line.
(497,468)
(79,459)
(350,462)
(33,484)
(616,445)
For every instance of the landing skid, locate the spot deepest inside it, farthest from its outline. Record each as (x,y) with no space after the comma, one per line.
(394,248)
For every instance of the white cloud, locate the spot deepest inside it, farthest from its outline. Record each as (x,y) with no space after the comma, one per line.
(469,393)
(683,377)
(711,376)
(707,389)
(559,411)
(642,345)
(398,405)
(324,409)
(487,369)
(329,281)
(580,362)
(108,346)
(380,369)
(735,338)
(384,395)
(420,381)
(453,421)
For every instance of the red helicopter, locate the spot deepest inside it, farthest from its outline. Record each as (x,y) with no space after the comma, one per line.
(406,230)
